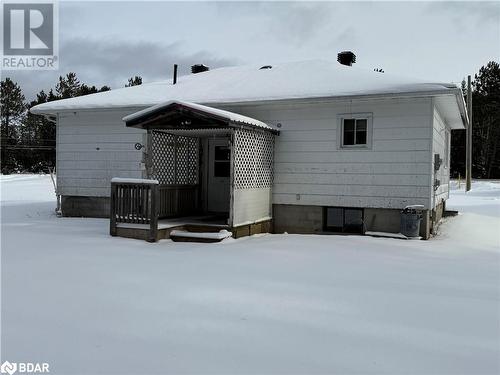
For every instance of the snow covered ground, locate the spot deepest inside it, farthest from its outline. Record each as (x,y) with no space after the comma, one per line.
(88,303)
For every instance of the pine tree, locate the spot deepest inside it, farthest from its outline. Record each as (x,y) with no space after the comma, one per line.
(485,128)
(38,135)
(458,144)
(85,90)
(28,140)
(134,81)
(486,119)
(68,87)
(13,110)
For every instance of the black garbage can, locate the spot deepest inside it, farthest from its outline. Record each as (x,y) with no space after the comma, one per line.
(411,217)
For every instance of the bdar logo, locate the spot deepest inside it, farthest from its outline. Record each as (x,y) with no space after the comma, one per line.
(8,368)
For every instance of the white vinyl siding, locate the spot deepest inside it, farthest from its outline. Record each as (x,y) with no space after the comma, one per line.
(311,169)
(309,166)
(92,148)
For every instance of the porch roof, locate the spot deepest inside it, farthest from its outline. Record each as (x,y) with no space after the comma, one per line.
(176,114)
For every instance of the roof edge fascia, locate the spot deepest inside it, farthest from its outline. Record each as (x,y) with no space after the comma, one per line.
(337,98)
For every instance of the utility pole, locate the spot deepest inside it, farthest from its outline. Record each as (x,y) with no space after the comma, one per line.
(468,151)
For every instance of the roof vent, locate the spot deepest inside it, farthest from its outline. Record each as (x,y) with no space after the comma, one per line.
(346,58)
(198,68)
(266,67)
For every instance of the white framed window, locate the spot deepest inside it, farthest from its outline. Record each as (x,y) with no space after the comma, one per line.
(355,131)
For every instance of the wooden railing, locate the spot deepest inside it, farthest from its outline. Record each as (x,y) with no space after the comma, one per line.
(134,201)
(178,200)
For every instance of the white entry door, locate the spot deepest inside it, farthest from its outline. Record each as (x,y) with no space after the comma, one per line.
(219,167)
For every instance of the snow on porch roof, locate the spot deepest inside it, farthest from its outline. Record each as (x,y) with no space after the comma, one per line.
(231,117)
(294,80)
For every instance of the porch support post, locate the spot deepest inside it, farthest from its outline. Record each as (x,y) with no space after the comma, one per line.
(153,223)
(112,211)
(232,170)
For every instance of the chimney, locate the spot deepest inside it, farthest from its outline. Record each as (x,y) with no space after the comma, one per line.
(346,58)
(198,68)
(175,74)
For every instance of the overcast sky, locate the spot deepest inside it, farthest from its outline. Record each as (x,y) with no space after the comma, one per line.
(107,42)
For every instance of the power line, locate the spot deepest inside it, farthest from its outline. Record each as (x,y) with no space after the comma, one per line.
(26,147)
(43,139)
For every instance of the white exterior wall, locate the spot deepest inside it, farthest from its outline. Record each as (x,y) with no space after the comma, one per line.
(251,205)
(441,145)
(310,167)
(92,148)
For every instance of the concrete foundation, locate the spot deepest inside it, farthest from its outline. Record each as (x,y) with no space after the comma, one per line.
(309,219)
(425,225)
(437,215)
(297,219)
(382,220)
(286,218)
(74,206)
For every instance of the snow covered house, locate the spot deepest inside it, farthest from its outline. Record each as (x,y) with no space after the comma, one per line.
(303,147)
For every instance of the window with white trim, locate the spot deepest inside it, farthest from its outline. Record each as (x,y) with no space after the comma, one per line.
(354,132)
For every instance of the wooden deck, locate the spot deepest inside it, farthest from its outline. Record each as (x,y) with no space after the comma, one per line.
(200,224)
(135,212)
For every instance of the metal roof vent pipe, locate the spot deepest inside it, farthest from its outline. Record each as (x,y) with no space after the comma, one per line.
(199,68)
(346,58)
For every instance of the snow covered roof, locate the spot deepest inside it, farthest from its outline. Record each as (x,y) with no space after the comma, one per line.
(175,105)
(295,80)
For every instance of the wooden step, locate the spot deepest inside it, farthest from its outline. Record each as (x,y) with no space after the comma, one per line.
(178,235)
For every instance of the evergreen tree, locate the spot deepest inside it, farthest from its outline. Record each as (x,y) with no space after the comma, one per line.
(68,86)
(85,90)
(463,87)
(134,81)
(28,140)
(458,145)
(486,126)
(38,135)
(13,110)
(486,118)
(52,96)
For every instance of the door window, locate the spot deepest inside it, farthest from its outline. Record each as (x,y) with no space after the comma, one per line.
(222,161)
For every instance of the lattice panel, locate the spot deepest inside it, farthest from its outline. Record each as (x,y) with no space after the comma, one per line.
(253,159)
(175,159)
